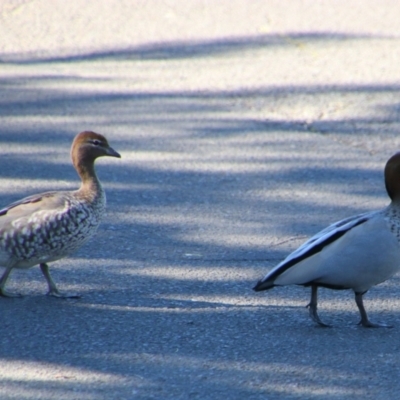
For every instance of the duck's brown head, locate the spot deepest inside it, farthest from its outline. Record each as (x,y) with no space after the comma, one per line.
(392,177)
(87,146)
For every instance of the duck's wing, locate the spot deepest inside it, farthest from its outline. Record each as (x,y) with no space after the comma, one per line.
(312,246)
(27,207)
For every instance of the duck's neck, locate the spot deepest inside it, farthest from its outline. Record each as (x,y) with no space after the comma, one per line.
(90,187)
(395,203)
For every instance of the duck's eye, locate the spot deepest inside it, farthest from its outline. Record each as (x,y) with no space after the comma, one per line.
(96,142)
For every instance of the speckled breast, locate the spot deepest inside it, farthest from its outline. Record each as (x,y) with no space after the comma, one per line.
(48,235)
(392,216)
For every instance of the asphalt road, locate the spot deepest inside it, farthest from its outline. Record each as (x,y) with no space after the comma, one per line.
(244,127)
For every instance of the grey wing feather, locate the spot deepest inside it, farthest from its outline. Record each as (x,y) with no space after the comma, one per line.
(36,198)
(318,242)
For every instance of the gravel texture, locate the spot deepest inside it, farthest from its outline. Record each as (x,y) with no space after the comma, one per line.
(244,127)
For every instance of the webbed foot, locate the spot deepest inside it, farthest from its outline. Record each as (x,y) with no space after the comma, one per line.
(312,306)
(369,324)
(5,293)
(315,317)
(60,295)
(365,322)
(53,291)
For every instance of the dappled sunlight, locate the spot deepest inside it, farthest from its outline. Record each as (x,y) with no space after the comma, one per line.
(24,187)
(309,197)
(334,302)
(263,377)
(159,309)
(27,371)
(240,160)
(20,380)
(18,186)
(33,151)
(235,149)
(220,274)
(251,300)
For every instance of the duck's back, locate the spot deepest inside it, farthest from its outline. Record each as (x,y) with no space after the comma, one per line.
(364,256)
(48,226)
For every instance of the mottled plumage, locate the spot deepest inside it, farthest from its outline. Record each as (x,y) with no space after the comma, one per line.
(48,226)
(356,253)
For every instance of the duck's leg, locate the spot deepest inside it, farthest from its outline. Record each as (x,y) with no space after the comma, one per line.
(364,318)
(3,282)
(312,305)
(53,291)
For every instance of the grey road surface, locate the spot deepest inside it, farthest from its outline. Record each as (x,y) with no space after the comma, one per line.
(244,127)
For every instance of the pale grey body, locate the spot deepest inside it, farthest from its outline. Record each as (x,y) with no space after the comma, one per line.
(366,255)
(35,234)
(49,226)
(356,253)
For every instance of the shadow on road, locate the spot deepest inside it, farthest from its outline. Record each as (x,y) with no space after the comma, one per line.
(198,207)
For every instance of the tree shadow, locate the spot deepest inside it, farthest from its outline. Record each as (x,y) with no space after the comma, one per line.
(195,216)
(190,49)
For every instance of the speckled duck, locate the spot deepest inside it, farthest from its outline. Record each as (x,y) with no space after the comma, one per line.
(48,226)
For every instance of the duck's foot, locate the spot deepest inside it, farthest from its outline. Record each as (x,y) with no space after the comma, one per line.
(3,281)
(315,317)
(53,291)
(312,306)
(365,322)
(4,293)
(60,295)
(369,324)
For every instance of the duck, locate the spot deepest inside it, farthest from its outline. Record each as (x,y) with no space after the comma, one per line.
(48,226)
(355,253)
